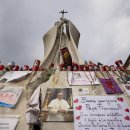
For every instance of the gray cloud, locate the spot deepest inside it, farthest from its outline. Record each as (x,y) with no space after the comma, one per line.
(104,26)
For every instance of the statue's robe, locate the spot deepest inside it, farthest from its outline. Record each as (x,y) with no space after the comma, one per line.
(58,37)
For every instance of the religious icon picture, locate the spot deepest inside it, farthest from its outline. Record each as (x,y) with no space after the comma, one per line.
(67,59)
(58,105)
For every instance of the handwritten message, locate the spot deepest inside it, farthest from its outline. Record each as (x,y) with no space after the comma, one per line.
(101,113)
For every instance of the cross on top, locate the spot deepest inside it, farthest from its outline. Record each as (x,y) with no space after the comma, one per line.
(63,12)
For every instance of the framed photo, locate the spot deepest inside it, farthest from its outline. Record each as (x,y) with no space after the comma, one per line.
(58,105)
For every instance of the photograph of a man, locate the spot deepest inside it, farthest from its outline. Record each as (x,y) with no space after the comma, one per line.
(58,105)
(57,108)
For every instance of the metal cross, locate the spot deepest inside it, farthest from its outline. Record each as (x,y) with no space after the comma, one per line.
(63,12)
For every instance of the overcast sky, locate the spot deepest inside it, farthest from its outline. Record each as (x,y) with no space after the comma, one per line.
(104,26)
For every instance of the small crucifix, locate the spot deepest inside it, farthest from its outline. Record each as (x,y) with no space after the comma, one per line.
(63,12)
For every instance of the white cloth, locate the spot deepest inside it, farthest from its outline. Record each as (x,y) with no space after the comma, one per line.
(54,106)
(33,107)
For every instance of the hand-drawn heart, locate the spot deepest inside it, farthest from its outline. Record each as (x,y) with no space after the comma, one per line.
(76,101)
(127,110)
(78,117)
(127,118)
(120,99)
(79,107)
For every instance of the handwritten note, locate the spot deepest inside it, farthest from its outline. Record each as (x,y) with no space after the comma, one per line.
(101,113)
